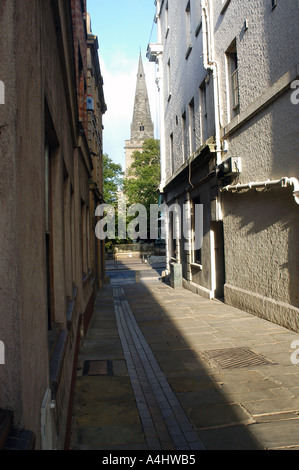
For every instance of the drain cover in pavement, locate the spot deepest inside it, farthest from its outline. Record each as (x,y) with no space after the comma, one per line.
(93,368)
(233,358)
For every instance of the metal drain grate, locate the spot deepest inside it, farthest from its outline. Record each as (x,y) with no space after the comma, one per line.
(94,368)
(233,358)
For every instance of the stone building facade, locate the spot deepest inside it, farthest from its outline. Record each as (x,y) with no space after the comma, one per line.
(96,107)
(229,142)
(47,272)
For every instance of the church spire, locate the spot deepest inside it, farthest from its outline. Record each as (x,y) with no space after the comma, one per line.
(142,127)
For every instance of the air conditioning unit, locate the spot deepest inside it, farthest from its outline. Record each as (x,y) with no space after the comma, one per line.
(153,50)
(230,167)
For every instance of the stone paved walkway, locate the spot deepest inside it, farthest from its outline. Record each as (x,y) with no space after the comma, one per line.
(176,371)
(164,421)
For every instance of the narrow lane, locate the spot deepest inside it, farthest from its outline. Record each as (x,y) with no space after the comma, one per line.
(165,423)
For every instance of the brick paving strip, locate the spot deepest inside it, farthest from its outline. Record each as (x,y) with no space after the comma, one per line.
(165,424)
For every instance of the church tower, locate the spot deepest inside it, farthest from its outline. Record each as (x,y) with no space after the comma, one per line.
(142,127)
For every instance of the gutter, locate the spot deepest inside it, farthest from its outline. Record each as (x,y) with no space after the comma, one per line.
(283,182)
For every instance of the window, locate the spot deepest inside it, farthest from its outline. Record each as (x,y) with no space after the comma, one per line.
(203,112)
(172,241)
(171,153)
(88,251)
(83,239)
(191,127)
(48,234)
(73,233)
(47,186)
(197,14)
(166,21)
(233,80)
(168,80)
(174,231)
(51,145)
(184,137)
(225,4)
(196,229)
(188,28)
(67,235)
(81,85)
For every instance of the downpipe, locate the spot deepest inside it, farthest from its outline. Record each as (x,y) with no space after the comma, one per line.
(282,182)
(211,64)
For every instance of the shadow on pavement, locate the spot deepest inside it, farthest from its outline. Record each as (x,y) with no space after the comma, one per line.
(180,328)
(220,423)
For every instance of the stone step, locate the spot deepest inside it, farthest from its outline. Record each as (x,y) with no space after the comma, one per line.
(20,440)
(12,438)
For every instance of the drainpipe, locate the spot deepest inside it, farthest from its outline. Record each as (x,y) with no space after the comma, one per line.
(160,85)
(282,182)
(211,64)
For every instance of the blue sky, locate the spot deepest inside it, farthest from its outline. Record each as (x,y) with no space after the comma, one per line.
(123,27)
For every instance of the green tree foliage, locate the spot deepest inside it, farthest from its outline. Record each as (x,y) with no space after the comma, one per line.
(141,185)
(112,180)
(144,175)
(112,183)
